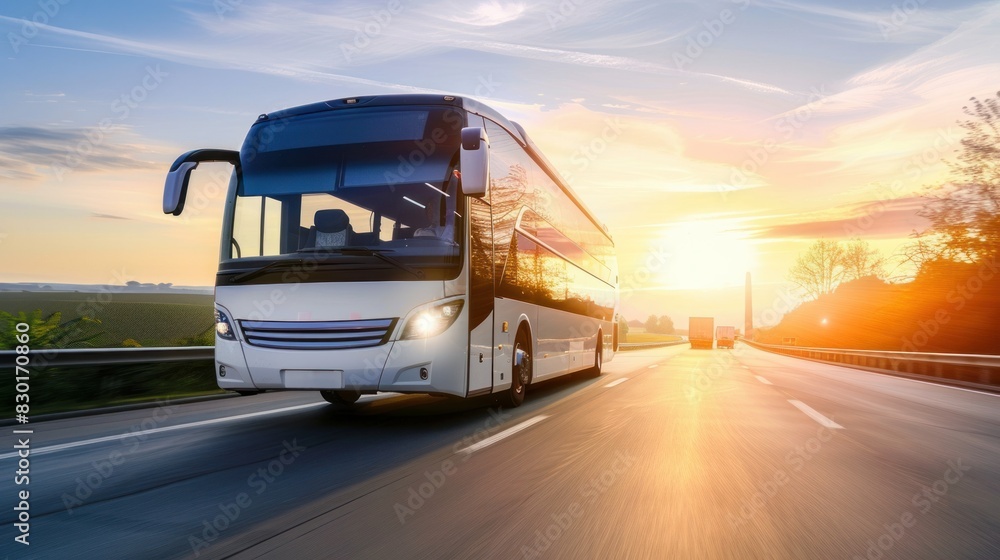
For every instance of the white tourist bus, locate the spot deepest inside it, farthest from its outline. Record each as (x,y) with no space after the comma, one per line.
(403,243)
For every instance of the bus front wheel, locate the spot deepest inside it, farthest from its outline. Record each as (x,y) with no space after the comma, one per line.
(520,376)
(342,398)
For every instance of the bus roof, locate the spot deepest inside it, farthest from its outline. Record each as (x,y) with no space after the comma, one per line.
(468,104)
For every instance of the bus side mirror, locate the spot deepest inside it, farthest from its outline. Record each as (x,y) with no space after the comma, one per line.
(175,189)
(475,161)
(176,185)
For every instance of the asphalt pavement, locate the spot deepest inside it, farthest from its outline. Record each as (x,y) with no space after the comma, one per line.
(672,453)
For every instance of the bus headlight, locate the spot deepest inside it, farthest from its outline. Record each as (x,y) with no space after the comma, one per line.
(432,321)
(223,327)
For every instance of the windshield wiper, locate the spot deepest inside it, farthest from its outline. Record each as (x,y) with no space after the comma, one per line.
(366,251)
(258,271)
(379,254)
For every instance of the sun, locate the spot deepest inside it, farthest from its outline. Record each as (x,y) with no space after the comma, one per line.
(705,255)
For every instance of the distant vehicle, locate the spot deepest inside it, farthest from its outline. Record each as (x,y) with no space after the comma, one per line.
(788,341)
(725,336)
(403,243)
(701,332)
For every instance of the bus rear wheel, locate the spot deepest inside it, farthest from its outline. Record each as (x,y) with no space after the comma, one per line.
(520,376)
(595,371)
(341,398)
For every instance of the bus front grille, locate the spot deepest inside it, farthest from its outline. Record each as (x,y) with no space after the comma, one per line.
(317,335)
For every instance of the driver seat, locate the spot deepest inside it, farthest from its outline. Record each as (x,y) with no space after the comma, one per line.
(332,229)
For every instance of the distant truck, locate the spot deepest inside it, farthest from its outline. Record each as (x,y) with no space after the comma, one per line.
(701,331)
(725,336)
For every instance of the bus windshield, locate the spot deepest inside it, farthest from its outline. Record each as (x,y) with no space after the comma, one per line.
(383,179)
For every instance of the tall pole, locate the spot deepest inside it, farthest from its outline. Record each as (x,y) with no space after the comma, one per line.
(748,319)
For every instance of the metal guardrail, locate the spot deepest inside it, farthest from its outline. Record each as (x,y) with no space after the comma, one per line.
(105,356)
(626,346)
(977,369)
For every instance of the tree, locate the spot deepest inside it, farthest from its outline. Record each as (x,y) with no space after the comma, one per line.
(826,264)
(651,324)
(964,214)
(819,269)
(665,325)
(860,260)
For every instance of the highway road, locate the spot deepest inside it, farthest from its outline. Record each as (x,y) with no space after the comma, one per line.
(672,453)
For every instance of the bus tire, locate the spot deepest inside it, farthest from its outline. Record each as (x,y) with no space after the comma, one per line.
(341,398)
(520,375)
(595,371)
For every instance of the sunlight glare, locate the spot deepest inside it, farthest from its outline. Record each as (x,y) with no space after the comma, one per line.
(706,255)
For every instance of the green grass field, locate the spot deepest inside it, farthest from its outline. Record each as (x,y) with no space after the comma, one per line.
(149,319)
(650,337)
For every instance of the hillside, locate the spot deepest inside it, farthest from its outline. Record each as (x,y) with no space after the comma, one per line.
(952,308)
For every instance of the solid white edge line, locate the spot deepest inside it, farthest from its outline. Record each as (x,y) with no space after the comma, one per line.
(823,420)
(902,377)
(762,380)
(979,391)
(504,434)
(616,382)
(71,445)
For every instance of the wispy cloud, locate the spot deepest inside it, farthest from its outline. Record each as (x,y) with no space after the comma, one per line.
(100,216)
(31,153)
(209,57)
(885,219)
(488,14)
(905,23)
(423,31)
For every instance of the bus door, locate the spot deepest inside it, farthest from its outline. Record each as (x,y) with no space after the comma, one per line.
(481,315)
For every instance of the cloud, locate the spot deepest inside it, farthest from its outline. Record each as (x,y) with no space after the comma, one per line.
(880,219)
(251,58)
(32,153)
(108,216)
(488,14)
(894,23)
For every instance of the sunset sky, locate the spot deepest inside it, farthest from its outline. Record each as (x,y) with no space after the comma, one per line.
(714,138)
